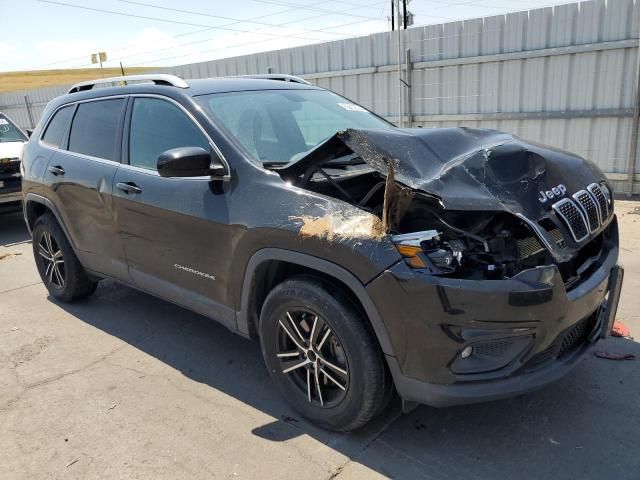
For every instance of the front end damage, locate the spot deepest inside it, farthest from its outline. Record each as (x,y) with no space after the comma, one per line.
(507,250)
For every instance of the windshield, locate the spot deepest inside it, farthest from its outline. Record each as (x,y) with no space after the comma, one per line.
(278,125)
(9,132)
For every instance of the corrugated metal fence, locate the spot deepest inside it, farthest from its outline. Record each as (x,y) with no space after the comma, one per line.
(564,75)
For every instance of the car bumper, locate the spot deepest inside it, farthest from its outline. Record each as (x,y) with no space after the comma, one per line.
(524,332)
(11,197)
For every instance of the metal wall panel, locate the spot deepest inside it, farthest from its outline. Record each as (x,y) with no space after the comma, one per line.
(562,75)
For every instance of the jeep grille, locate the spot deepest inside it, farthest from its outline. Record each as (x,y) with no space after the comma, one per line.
(589,207)
(573,218)
(603,206)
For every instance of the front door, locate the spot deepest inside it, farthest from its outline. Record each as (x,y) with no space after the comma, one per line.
(174,230)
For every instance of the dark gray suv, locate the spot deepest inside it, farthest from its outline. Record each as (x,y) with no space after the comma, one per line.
(450,265)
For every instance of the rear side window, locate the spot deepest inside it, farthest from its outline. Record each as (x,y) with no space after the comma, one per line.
(57,127)
(94,129)
(157,126)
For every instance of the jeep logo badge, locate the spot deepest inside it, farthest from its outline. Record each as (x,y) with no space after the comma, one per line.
(554,192)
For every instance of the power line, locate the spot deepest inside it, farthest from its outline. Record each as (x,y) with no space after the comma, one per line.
(217,49)
(308,7)
(320,30)
(210,27)
(166,20)
(191,12)
(195,32)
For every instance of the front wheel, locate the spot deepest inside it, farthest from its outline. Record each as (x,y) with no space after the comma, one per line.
(322,354)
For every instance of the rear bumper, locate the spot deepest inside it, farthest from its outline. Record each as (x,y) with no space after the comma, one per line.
(528,330)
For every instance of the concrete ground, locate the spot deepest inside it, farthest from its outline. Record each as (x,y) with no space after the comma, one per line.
(127,386)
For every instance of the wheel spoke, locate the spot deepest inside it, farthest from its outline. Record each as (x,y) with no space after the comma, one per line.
(43,252)
(47,239)
(295,327)
(309,385)
(49,271)
(289,354)
(290,335)
(58,275)
(318,386)
(334,367)
(326,374)
(324,339)
(295,365)
(316,329)
(313,330)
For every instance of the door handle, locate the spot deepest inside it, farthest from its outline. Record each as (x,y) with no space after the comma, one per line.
(56,170)
(129,187)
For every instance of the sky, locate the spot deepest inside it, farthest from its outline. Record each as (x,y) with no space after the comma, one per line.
(48,34)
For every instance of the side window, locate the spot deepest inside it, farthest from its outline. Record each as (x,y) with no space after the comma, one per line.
(157,126)
(57,127)
(94,129)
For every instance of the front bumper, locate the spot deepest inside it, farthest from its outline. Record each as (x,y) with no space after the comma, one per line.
(531,329)
(10,184)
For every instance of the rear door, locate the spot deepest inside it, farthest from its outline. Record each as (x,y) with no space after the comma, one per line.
(175,230)
(80,176)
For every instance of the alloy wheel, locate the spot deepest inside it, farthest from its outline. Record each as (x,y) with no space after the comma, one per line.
(53,260)
(311,354)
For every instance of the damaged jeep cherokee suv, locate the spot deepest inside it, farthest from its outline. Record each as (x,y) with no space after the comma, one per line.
(451,265)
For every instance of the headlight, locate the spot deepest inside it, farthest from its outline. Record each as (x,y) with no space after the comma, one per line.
(425,250)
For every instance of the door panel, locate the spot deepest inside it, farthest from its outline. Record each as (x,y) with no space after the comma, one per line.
(176,238)
(83,196)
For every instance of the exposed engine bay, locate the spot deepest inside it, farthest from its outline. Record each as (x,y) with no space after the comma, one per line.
(465,203)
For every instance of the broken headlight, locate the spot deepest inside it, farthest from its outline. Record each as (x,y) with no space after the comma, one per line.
(427,250)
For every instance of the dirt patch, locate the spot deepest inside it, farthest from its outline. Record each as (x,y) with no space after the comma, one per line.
(5,256)
(31,350)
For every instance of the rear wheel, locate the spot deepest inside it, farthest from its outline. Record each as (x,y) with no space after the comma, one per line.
(57,264)
(322,354)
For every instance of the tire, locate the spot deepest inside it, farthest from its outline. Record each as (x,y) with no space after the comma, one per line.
(350,354)
(64,277)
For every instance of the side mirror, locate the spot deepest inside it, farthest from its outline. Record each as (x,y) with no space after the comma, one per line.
(190,162)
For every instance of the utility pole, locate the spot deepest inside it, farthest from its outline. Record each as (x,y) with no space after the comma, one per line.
(635,130)
(399,64)
(393,20)
(404,14)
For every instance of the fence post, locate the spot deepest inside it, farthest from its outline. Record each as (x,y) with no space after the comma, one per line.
(635,125)
(408,84)
(28,108)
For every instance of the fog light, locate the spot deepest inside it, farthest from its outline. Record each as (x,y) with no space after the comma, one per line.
(466,352)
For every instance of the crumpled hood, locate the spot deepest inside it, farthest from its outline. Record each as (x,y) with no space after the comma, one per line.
(466,168)
(10,149)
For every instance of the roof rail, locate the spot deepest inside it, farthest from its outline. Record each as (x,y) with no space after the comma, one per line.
(283,77)
(158,79)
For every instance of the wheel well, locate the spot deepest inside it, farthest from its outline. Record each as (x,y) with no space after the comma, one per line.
(33,211)
(273,272)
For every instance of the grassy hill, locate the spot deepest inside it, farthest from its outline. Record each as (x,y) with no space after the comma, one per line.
(11,81)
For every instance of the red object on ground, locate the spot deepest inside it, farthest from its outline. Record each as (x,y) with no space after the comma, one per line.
(615,356)
(620,330)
